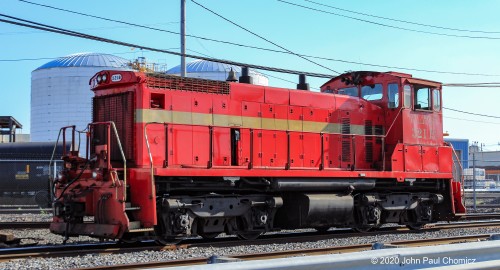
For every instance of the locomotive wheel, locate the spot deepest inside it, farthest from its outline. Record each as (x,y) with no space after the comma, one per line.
(165,241)
(415,226)
(366,229)
(128,240)
(208,235)
(248,235)
(363,229)
(322,229)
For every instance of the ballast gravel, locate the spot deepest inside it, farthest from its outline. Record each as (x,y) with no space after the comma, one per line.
(94,260)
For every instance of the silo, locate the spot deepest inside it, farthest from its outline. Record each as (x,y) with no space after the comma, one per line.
(60,92)
(216,71)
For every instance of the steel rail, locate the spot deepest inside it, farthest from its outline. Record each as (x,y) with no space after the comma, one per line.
(280,238)
(305,252)
(25,225)
(25,210)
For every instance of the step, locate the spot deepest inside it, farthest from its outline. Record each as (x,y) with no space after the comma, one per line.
(129,207)
(141,230)
(133,225)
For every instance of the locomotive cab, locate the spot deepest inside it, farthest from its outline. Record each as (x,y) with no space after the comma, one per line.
(412,115)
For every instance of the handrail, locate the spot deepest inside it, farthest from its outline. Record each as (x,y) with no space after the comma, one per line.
(149,151)
(461,169)
(112,124)
(385,136)
(63,130)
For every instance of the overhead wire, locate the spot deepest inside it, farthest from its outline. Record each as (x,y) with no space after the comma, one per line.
(261,48)
(50,58)
(470,120)
(387,25)
(403,21)
(471,113)
(261,37)
(483,84)
(44,27)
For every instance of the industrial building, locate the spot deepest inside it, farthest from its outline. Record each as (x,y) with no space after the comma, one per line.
(60,92)
(461,147)
(8,130)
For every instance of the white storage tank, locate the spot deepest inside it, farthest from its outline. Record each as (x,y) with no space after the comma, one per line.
(216,71)
(60,92)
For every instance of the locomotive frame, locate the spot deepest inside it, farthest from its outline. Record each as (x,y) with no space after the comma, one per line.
(168,157)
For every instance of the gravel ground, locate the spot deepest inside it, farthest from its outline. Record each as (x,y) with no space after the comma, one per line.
(25,217)
(93,260)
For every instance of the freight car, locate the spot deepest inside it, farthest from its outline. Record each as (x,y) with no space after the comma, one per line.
(24,176)
(171,157)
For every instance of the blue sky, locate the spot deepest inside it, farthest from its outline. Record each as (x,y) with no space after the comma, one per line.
(297,29)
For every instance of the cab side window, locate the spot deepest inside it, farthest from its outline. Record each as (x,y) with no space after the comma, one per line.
(422,99)
(349,91)
(392,95)
(407,96)
(372,92)
(436,100)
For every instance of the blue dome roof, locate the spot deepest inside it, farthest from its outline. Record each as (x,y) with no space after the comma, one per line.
(87,60)
(199,66)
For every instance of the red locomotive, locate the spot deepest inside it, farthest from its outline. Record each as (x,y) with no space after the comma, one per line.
(169,157)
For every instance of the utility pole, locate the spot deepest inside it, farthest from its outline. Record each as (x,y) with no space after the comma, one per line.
(474,177)
(474,173)
(183,38)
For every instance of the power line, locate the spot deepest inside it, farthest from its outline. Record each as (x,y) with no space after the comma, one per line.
(486,84)
(264,49)
(387,25)
(476,114)
(404,21)
(50,58)
(80,29)
(44,27)
(261,37)
(470,120)
(141,26)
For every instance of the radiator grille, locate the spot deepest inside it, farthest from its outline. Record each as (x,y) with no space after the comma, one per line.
(163,81)
(118,108)
(346,140)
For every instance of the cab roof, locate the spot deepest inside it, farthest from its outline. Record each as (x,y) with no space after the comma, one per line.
(358,76)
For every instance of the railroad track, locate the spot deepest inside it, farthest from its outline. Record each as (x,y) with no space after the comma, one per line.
(46,224)
(24,225)
(277,238)
(20,210)
(305,252)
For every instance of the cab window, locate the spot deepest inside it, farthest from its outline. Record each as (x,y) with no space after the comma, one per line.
(422,99)
(392,95)
(349,91)
(407,96)
(372,92)
(436,100)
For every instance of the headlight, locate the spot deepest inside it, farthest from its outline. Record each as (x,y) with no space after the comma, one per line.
(99,79)
(94,174)
(104,77)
